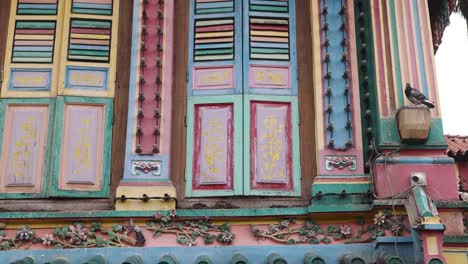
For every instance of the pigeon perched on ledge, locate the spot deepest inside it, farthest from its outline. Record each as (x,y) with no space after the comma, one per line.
(416,97)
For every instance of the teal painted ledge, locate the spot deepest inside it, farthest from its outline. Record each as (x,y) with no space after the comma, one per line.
(456,239)
(257,212)
(389,137)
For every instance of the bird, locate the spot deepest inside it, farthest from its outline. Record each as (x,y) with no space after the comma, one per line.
(416,97)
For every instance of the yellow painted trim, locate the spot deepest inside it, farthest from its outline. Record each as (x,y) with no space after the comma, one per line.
(110,92)
(215,34)
(392,58)
(384,22)
(432,247)
(317,76)
(163,75)
(34,37)
(341,182)
(430,220)
(378,64)
(142,222)
(99,17)
(407,44)
(354,77)
(90,36)
(268,33)
(431,71)
(138,205)
(34,17)
(416,55)
(456,257)
(404,67)
(137,74)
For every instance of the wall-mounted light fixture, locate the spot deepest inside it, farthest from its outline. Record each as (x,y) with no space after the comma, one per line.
(414,124)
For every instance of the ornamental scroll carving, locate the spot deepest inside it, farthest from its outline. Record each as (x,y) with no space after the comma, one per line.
(340,162)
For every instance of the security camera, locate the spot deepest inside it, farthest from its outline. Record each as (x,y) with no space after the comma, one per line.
(418,179)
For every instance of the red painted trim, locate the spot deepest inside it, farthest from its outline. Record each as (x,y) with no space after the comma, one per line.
(91,31)
(253,148)
(262,27)
(35,31)
(215,28)
(150,73)
(197,136)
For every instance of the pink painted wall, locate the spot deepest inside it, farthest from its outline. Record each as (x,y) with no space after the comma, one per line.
(441,183)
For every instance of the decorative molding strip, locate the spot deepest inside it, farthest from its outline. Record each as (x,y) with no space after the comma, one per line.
(340,162)
(149,113)
(208,78)
(86,78)
(336,74)
(149,117)
(146,167)
(192,232)
(22,79)
(270,76)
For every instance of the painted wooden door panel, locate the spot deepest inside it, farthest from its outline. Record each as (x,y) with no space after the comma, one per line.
(241,48)
(214,146)
(271,152)
(81,152)
(26,138)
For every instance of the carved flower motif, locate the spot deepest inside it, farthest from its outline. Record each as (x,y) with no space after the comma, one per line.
(284,224)
(345,230)
(77,234)
(47,239)
(227,237)
(129,226)
(272,229)
(396,229)
(158,216)
(173,213)
(379,219)
(1,238)
(24,233)
(311,233)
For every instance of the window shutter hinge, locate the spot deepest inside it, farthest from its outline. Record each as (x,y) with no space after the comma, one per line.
(186,76)
(1,77)
(185,120)
(299,120)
